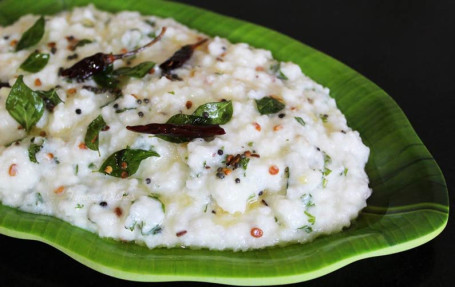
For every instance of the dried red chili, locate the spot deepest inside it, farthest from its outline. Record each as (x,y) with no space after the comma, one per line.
(180,57)
(188,131)
(94,64)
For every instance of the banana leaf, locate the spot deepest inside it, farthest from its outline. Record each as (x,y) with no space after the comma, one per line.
(408,207)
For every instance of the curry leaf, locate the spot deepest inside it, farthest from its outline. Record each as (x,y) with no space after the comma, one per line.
(276,69)
(82,42)
(106,78)
(24,105)
(93,131)
(217,113)
(125,162)
(33,149)
(138,71)
(269,105)
(50,98)
(35,62)
(32,36)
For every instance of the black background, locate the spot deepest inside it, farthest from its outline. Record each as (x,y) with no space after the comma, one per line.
(406,47)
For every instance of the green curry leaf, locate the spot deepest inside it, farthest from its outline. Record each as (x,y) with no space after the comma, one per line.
(33,149)
(125,162)
(217,113)
(35,62)
(269,105)
(138,71)
(32,36)
(276,69)
(106,78)
(50,98)
(93,131)
(82,43)
(24,105)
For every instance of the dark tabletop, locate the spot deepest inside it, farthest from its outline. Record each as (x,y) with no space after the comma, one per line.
(406,47)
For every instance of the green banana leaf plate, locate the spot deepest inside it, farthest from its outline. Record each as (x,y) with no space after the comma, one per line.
(408,207)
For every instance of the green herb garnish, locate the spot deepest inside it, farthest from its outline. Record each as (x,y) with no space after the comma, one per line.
(125,162)
(39,198)
(324,117)
(244,162)
(300,121)
(106,78)
(157,198)
(33,149)
(217,113)
(93,131)
(311,218)
(24,105)
(307,199)
(32,36)
(276,69)
(269,105)
(287,174)
(82,43)
(35,62)
(306,228)
(138,71)
(154,231)
(51,99)
(124,110)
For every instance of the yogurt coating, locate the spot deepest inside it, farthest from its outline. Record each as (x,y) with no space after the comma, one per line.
(304,174)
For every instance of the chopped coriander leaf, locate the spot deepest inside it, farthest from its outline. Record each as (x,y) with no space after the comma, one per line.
(324,117)
(326,171)
(124,110)
(306,228)
(39,198)
(307,199)
(324,182)
(157,198)
(244,162)
(155,230)
(311,218)
(300,121)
